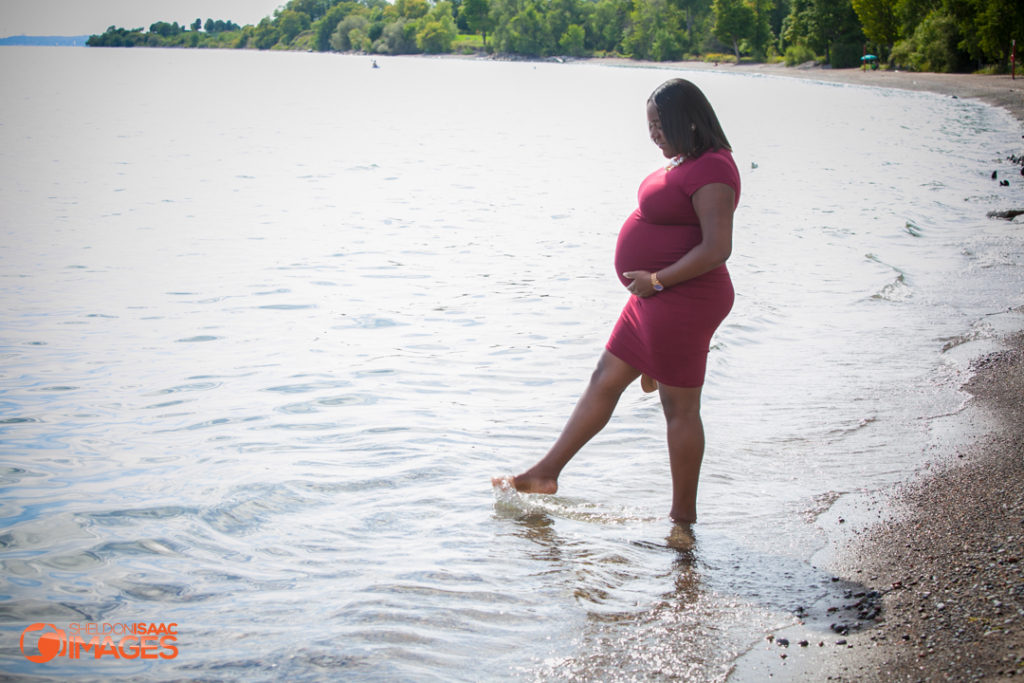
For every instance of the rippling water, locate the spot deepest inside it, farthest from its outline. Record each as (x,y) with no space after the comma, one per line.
(271,321)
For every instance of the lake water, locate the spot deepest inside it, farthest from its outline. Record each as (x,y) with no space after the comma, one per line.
(272,321)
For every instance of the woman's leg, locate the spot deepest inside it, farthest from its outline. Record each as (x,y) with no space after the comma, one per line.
(685,448)
(591,414)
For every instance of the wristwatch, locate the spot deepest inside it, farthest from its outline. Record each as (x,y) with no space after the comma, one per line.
(654,283)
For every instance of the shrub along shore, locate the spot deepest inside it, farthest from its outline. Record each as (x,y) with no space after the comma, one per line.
(944,36)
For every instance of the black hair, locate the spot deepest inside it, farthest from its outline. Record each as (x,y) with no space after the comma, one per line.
(688,121)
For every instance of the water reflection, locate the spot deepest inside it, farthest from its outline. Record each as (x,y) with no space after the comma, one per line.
(694,605)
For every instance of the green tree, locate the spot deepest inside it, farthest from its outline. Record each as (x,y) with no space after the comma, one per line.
(760,27)
(477,15)
(573,41)
(324,28)
(341,39)
(291,23)
(558,16)
(266,34)
(397,38)
(438,30)
(219,26)
(197,24)
(165,30)
(314,9)
(910,13)
(933,46)
(606,24)
(653,31)
(878,20)
(521,28)
(734,21)
(412,9)
(434,38)
(840,31)
(117,37)
(990,29)
(694,12)
(998,23)
(822,24)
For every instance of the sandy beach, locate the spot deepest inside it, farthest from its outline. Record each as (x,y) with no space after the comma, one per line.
(1000,90)
(947,571)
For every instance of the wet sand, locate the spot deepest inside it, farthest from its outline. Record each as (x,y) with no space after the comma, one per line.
(933,589)
(951,566)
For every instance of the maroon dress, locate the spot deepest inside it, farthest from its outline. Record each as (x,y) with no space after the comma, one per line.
(667,335)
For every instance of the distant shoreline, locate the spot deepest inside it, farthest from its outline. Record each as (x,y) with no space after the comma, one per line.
(45,41)
(998,90)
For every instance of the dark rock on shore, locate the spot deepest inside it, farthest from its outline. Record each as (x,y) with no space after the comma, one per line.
(1008,214)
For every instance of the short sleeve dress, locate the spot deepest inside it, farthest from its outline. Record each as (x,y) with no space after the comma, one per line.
(667,335)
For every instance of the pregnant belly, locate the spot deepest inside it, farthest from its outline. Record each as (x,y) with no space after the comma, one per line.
(647,246)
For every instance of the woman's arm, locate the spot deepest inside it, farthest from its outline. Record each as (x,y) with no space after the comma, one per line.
(714,205)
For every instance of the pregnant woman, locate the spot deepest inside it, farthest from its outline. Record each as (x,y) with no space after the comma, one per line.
(670,255)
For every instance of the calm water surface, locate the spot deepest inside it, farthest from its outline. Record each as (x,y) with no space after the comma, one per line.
(271,321)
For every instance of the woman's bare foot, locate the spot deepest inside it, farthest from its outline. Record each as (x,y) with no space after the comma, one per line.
(526,483)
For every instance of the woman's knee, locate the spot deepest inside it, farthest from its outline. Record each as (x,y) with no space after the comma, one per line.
(681,403)
(612,375)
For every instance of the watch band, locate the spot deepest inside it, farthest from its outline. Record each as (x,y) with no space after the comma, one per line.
(655,283)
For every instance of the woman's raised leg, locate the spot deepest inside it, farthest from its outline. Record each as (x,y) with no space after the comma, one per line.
(685,448)
(591,414)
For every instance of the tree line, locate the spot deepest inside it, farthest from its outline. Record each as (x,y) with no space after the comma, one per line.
(924,35)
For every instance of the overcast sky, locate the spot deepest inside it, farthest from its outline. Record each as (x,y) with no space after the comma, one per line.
(84,17)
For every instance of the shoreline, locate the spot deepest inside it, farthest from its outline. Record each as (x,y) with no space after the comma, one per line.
(934,590)
(950,567)
(947,568)
(939,583)
(997,90)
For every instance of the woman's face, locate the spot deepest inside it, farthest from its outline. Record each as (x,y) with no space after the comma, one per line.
(657,136)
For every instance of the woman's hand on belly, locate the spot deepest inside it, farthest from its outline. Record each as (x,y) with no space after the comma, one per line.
(641,284)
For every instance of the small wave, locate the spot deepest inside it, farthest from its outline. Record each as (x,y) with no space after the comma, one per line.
(851,428)
(509,502)
(913,229)
(818,505)
(980,330)
(898,290)
(191,386)
(365,322)
(305,387)
(286,307)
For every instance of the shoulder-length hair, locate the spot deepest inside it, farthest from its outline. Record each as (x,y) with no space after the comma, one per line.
(688,121)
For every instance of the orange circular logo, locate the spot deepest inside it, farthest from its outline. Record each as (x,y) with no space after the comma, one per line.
(48,644)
